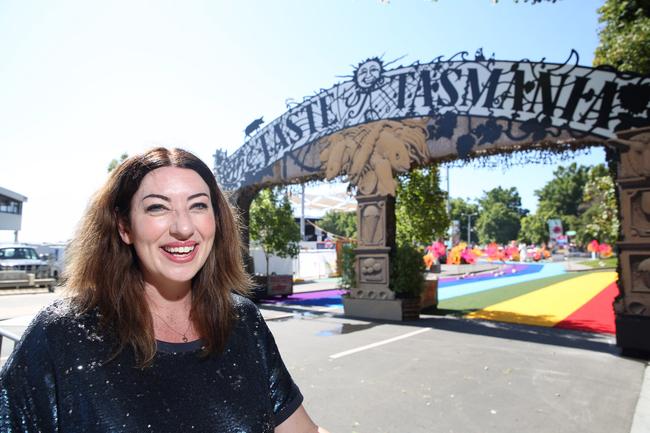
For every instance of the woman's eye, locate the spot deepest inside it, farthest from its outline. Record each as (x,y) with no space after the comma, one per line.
(199,206)
(156,208)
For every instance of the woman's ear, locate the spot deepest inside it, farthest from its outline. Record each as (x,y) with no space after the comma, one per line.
(123,229)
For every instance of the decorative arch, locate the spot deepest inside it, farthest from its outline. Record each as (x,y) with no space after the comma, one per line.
(385,121)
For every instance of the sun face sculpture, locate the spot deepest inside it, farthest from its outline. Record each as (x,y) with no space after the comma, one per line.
(368,74)
(370,154)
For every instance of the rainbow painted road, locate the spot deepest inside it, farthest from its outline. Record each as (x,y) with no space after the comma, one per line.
(532,294)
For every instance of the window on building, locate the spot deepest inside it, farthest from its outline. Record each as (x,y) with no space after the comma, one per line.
(8,205)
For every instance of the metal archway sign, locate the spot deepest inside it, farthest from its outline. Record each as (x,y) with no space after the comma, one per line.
(458,107)
(384,121)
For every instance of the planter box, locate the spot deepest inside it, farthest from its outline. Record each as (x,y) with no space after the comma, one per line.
(429,297)
(278,285)
(394,309)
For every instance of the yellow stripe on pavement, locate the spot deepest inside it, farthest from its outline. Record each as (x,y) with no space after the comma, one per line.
(550,305)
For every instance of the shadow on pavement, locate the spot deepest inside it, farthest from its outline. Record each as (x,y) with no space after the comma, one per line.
(519,332)
(509,331)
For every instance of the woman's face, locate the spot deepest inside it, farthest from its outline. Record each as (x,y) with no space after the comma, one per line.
(172,225)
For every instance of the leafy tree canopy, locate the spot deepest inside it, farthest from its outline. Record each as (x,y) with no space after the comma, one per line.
(272,225)
(583,198)
(508,197)
(420,207)
(625,36)
(500,215)
(600,218)
(115,162)
(534,229)
(340,223)
(563,194)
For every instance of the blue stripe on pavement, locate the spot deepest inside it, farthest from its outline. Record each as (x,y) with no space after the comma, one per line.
(448,292)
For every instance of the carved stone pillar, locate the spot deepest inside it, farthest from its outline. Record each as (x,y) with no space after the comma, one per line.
(242,200)
(376,238)
(369,155)
(632,305)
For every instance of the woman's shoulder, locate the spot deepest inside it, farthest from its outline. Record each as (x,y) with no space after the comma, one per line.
(244,307)
(50,327)
(61,310)
(59,317)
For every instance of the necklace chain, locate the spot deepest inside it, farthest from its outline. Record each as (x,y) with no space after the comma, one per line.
(182,334)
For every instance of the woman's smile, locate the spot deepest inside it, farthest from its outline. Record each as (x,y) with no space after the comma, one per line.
(180,252)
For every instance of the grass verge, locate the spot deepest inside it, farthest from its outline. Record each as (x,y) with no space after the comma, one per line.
(609,262)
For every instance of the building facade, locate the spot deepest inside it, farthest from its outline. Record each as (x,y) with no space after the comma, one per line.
(11,211)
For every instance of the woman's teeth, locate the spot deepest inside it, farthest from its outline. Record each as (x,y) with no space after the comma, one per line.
(179,250)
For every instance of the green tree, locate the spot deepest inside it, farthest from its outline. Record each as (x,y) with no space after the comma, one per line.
(563,194)
(115,162)
(340,223)
(462,210)
(625,36)
(600,218)
(560,198)
(273,227)
(534,229)
(420,207)
(500,215)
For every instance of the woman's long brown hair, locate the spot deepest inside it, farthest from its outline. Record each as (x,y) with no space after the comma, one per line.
(102,271)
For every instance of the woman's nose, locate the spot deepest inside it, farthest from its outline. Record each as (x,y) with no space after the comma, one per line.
(182,227)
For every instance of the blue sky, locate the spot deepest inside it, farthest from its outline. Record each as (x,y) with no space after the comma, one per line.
(83,81)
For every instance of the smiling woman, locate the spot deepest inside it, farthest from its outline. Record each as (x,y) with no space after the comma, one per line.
(171,225)
(156,335)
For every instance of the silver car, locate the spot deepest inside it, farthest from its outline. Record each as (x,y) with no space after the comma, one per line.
(19,257)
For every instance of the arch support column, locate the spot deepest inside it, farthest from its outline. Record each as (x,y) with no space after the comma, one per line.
(372,297)
(376,239)
(242,200)
(632,305)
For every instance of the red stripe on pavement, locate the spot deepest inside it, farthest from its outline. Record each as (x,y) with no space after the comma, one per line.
(597,315)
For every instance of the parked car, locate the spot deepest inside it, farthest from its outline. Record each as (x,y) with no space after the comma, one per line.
(54,254)
(21,266)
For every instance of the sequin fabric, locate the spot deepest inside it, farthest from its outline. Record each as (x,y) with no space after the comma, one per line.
(56,380)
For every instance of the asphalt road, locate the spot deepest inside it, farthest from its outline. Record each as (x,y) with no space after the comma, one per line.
(454,375)
(443,374)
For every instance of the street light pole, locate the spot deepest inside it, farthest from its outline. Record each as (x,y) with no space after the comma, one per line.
(449,229)
(302,212)
(469,226)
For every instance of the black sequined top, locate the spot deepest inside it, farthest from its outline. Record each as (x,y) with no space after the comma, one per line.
(56,381)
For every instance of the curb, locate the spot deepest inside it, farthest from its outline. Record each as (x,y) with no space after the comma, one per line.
(641,420)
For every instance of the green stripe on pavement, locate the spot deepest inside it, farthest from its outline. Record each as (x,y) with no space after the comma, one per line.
(477,301)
